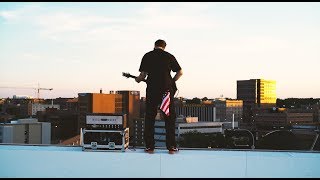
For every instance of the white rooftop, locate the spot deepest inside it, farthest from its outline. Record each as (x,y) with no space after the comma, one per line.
(25,161)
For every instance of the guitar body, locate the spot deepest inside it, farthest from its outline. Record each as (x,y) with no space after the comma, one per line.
(174,86)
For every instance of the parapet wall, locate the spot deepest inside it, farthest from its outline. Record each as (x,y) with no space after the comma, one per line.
(72,162)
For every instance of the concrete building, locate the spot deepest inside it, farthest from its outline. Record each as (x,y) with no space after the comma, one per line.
(137,138)
(65,103)
(19,108)
(282,117)
(25,131)
(22,97)
(316,112)
(63,123)
(205,112)
(33,108)
(4,117)
(226,108)
(183,127)
(142,106)
(131,107)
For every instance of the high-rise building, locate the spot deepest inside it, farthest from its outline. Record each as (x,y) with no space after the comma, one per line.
(256,94)
(131,103)
(131,107)
(97,103)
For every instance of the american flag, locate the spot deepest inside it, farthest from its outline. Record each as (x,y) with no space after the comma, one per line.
(165,103)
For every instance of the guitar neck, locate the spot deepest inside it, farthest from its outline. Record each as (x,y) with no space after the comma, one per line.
(132,76)
(174,86)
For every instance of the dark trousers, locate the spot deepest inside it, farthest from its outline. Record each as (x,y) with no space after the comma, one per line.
(153,101)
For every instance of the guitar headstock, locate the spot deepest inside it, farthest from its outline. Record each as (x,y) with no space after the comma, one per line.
(127,75)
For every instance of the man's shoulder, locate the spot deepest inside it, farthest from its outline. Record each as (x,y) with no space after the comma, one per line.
(154,52)
(169,54)
(149,53)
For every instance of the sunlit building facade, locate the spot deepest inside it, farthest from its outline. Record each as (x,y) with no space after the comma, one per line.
(266,95)
(257,92)
(227,109)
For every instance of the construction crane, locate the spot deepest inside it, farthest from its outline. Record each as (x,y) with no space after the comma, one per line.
(38,89)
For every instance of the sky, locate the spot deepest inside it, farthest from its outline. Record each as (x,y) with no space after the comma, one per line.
(82,47)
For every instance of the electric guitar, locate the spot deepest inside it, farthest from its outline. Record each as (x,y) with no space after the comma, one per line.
(128,75)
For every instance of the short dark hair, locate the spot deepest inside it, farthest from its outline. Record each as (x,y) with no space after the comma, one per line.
(160,43)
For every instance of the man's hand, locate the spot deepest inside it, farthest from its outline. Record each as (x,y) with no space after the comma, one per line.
(178,75)
(141,77)
(138,80)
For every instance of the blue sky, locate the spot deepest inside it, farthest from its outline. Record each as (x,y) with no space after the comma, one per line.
(83,46)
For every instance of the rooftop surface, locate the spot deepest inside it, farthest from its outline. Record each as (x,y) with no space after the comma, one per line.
(24,161)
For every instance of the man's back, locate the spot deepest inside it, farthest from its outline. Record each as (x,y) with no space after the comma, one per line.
(158,64)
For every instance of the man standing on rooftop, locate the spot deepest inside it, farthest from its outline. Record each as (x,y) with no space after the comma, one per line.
(157,65)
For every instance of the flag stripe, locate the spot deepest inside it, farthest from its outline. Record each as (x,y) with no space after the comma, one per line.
(166,103)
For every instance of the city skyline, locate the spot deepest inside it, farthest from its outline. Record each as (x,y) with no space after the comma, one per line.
(83,47)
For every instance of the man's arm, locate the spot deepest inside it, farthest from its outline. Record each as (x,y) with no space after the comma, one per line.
(141,77)
(178,75)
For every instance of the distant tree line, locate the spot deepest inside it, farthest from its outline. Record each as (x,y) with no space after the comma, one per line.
(195,139)
(297,102)
(277,140)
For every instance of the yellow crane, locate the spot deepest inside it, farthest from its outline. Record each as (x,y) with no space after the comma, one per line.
(38,89)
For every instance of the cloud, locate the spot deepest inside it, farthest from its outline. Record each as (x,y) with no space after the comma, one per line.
(20,14)
(82,26)
(31,57)
(8,15)
(60,22)
(176,16)
(39,57)
(253,44)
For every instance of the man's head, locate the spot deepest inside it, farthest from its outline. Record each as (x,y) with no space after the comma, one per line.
(160,44)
